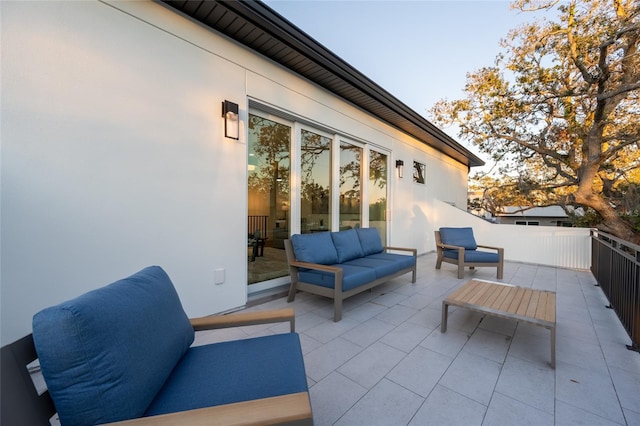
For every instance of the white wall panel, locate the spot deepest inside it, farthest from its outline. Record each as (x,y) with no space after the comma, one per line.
(113,156)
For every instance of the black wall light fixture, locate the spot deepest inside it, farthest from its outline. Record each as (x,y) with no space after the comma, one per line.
(231,120)
(400,167)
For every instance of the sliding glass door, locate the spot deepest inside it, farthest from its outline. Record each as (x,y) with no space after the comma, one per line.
(315,192)
(378,167)
(327,184)
(269,185)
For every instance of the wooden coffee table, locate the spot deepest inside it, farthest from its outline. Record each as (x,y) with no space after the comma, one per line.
(536,307)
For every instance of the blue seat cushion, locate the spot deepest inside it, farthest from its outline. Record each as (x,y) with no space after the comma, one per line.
(314,248)
(347,245)
(369,240)
(228,372)
(401,260)
(106,354)
(352,277)
(461,237)
(474,256)
(381,267)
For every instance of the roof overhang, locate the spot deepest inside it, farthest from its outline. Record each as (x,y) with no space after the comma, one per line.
(257,26)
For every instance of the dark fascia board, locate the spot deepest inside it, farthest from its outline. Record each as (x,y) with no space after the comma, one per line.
(257,26)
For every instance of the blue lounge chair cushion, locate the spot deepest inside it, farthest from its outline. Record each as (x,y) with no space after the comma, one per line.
(353,276)
(461,237)
(473,256)
(243,370)
(381,267)
(401,260)
(369,240)
(134,328)
(314,248)
(347,245)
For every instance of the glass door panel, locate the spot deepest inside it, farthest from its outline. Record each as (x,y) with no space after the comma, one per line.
(268,163)
(315,196)
(350,185)
(378,193)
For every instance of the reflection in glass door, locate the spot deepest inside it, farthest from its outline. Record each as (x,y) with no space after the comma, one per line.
(268,198)
(350,185)
(378,193)
(315,196)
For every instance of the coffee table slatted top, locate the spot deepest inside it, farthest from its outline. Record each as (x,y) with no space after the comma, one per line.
(513,302)
(507,301)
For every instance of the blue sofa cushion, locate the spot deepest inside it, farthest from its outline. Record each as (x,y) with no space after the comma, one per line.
(243,370)
(403,261)
(382,267)
(461,237)
(475,256)
(347,245)
(314,248)
(369,240)
(352,277)
(106,354)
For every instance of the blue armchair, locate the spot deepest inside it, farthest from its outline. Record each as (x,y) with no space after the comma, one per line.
(458,246)
(125,352)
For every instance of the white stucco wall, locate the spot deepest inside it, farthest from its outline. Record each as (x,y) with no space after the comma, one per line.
(113,156)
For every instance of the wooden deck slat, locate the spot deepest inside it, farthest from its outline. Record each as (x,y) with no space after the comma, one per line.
(482,289)
(513,307)
(533,305)
(542,306)
(501,292)
(550,314)
(509,294)
(489,294)
(524,303)
(457,294)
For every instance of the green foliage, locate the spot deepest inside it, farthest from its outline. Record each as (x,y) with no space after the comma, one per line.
(559,110)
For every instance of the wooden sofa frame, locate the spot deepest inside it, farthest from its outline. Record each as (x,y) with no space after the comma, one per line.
(21,404)
(336,292)
(460,260)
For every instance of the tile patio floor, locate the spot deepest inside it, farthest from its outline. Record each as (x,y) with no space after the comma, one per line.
(387,363)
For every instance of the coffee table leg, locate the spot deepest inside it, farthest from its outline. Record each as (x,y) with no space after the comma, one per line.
(445,311)
(553,347)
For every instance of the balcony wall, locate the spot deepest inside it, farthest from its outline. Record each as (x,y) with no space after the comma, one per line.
(540,245)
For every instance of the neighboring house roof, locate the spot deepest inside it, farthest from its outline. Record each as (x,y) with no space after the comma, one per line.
(257,26)
(548,211)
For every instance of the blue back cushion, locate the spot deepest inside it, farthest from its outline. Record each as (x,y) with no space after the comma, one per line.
(314,248)
(461,237)
(369,240)
(106,354)
(347,245)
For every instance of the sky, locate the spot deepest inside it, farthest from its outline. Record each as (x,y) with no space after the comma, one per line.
(418,50)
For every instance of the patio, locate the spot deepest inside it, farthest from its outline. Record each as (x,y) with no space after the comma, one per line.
(387,363)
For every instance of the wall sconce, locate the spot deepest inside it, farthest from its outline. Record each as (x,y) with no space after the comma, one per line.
(400,167)
(231,120)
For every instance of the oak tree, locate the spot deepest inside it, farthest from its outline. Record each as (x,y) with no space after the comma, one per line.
(560,108)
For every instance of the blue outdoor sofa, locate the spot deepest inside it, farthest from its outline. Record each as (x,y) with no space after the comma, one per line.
(125,351)
(340,264)
(458,246)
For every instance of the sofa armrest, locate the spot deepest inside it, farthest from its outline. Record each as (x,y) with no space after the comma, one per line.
(335,270)
(290,409)
(451,247)
(491,247)
(243,319)
(315,266)
(413,251)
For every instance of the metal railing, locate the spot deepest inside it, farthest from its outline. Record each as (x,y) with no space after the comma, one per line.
(615,264)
